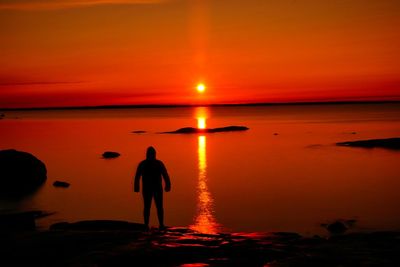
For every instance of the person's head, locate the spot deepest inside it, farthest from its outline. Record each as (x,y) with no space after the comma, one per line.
(151,153)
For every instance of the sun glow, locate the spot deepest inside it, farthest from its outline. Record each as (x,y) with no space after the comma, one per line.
(201,88)
(201,123)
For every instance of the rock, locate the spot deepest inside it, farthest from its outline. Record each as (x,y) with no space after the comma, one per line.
(276,134)
(98,225)
(110,155)
(20,172)
(337,227)
(20,220)
(61,184)
(192,130)
(388,143)
(138,132)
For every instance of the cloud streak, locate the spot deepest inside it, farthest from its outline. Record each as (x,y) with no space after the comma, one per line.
(64,4)
(38,83)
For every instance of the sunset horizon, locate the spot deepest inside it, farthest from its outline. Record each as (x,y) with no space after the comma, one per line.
(139,52)
(199,133)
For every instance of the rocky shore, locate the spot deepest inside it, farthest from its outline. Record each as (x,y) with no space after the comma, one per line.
(116,243)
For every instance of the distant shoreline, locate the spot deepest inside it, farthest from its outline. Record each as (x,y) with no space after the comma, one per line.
(204,105)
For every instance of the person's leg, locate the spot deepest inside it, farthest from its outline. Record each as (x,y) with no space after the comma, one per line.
(147,197)
(158,198)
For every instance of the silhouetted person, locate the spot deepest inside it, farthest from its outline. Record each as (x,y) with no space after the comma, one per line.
(151,170)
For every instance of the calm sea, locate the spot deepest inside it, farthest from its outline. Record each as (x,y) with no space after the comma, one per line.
(284,174)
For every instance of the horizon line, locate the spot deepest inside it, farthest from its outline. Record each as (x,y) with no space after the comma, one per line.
(202,105)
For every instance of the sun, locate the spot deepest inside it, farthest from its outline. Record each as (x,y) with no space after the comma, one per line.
(201,88)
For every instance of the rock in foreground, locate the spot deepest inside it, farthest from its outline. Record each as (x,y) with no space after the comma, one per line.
(20,172)
(388,143)
(192,130)
(183,247)
(20,221)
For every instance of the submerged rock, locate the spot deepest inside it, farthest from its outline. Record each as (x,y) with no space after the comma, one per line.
(110,155)
(388,143)
(192,130)
(336,227)
(340,226)
(20,172)
(61,184)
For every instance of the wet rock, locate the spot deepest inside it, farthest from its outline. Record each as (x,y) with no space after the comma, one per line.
(192,130)
(98,225)
(61,184)
(20,220)
(110,155)
(20,172)
(138,132)
(388,143)
(276,134)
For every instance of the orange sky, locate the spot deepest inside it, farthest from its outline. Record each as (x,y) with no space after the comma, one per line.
(108,52)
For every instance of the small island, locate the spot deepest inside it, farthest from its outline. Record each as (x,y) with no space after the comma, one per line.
(192,130)
(388,143)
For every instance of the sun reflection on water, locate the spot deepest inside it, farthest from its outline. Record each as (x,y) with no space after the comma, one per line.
(201,123)
(204,221)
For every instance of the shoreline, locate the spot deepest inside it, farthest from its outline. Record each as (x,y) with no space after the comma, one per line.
(117,243)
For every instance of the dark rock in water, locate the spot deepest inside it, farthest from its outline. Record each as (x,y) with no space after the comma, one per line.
(98,225)
(389,143)
(20,220)
(276,134)
(20,173)
(61,184)
(138,132)
(336,227)
(110,155)
(192,130)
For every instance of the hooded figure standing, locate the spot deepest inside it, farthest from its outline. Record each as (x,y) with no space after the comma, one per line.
(151,170)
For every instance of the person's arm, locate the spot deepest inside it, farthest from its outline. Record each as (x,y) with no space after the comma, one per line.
(166,178)
(137,178)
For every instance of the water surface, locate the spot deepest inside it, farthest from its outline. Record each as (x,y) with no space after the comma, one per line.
(284,174)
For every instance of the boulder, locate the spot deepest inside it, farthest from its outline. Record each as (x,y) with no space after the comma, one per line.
(110,155)
(20,172)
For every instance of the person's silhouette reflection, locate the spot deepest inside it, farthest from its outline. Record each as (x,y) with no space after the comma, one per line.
(151,170)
